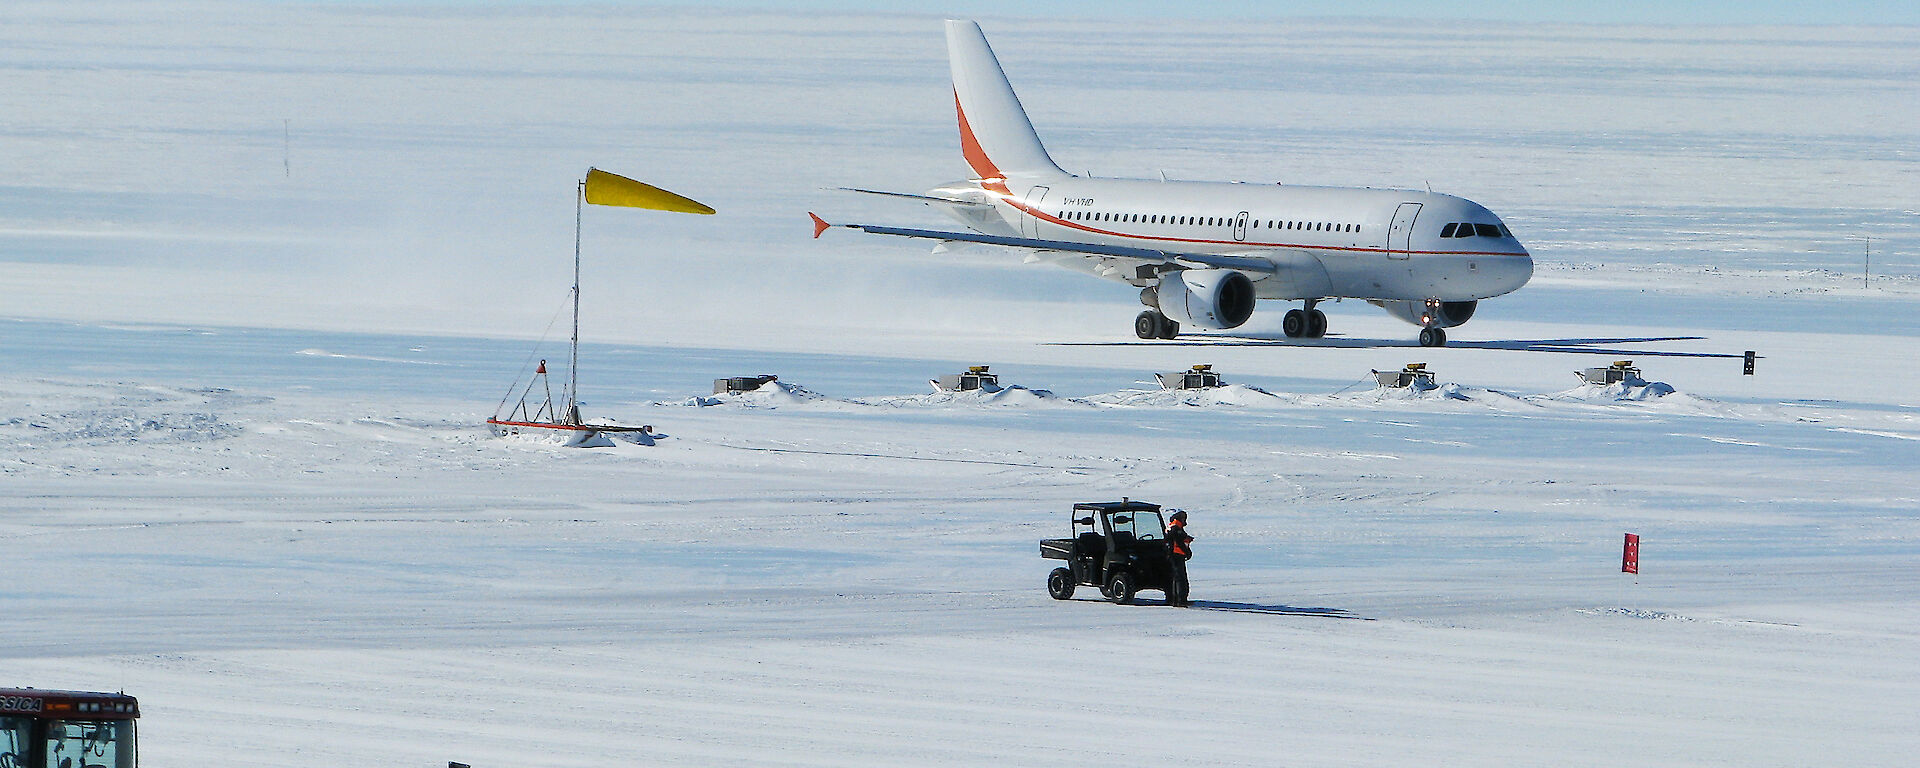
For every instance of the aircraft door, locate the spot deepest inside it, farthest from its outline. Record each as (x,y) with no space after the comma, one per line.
(1240,226)
(1030,224)
(1400,235)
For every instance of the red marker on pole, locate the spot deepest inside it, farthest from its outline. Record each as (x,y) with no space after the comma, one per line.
(1630,555)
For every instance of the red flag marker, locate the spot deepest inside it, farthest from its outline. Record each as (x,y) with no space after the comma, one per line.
(1630,554)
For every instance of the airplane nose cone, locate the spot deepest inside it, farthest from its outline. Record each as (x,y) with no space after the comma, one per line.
(1512,271)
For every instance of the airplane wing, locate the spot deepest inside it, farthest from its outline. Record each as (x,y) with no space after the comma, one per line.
(1242,263)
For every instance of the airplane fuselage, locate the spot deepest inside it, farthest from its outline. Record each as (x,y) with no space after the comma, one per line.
(1326,242)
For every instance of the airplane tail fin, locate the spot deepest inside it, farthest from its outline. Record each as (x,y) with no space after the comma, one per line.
(995,135)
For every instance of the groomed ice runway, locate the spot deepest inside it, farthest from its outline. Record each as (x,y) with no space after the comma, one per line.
(242,473)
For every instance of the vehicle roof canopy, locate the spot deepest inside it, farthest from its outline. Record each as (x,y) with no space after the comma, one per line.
(1116,506)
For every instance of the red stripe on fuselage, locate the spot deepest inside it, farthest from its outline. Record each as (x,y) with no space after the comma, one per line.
(1007,198)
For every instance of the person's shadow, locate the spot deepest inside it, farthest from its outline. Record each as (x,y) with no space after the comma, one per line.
(1275,610)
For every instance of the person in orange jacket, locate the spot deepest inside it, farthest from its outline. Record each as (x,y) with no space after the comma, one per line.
(1180,549)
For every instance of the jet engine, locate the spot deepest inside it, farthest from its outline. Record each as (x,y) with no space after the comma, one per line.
(1215,299)
(1430,314)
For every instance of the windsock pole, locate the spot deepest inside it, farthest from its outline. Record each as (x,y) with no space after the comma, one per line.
(573,364)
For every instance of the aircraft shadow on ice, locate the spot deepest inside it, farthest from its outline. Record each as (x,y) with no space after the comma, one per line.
(1586,346)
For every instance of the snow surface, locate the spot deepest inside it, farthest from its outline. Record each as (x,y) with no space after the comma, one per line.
(243,474)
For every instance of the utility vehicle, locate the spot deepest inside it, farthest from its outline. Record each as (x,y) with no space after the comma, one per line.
(1118,546)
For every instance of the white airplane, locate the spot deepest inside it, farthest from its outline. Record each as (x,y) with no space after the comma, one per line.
(1203,252)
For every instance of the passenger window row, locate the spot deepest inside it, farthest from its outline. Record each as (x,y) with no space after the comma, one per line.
(1309,226)
(1470,229)
(1209,221)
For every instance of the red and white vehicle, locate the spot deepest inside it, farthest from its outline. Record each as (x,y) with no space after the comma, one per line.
(67,729)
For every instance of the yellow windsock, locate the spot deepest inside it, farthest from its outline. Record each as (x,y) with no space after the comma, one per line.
(613,189)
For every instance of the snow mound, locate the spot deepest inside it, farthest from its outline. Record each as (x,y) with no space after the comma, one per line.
(637,438)
(1014,396)
(562,438)
(1227,395)
(773,394)
(1413,394)
(1615,392)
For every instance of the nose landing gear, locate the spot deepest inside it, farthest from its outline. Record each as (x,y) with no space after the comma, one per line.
(1432,335)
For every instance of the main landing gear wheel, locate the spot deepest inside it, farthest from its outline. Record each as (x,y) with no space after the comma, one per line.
(1060,584)
(1433,337)
(1153,325)
(1147,325)
(1304,323)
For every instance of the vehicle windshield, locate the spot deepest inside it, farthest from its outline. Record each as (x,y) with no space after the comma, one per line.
(1144,525)
(14,733)
(103,743)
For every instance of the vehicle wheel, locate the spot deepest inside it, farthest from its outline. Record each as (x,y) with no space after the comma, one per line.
(1120,588)
(1169,327)
(1294,324)
(1433,337)
(1060,584)
(1147,325)
(1316,324)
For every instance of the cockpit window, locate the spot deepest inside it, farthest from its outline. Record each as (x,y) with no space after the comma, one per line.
(1447,231)
(1487,230)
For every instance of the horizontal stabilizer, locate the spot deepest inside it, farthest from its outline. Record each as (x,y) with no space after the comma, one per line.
(910,196)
